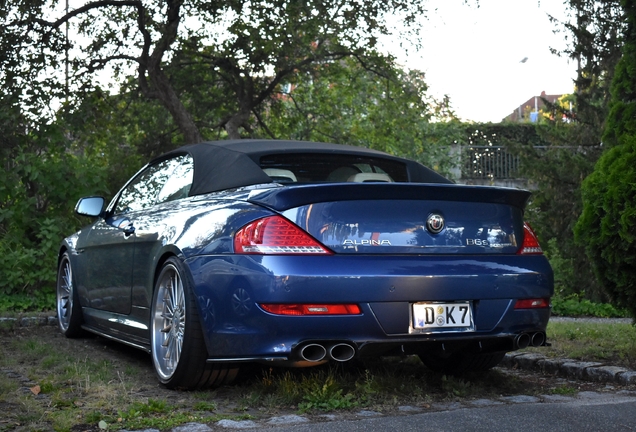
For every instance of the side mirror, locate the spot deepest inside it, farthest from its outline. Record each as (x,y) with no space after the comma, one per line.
(90,206)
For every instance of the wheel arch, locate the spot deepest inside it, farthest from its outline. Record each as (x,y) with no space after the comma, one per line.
(173,252)
(169,252)
(60,253)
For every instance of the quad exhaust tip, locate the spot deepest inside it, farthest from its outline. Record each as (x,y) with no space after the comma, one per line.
(524,340)
(342,352)
(315,352)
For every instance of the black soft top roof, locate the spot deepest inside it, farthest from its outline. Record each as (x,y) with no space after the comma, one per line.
(220,165)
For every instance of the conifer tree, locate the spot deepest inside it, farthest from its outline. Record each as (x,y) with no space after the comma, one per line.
(607,226)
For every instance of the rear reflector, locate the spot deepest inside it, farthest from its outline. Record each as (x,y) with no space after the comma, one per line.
(532,303)
(312,309)
(275,235)
(530,245)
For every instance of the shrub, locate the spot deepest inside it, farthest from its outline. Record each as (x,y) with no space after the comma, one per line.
(607,226)
(39,186)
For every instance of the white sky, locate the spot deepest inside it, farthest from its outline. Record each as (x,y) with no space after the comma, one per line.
(473,55)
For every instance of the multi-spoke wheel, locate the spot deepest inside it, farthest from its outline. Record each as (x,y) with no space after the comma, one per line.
(179,353)
(69,312)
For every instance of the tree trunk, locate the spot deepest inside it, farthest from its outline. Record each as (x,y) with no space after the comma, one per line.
(168,97)
(237,120)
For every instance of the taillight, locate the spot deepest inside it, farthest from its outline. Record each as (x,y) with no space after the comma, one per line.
(312,309)
(532,303)
(530,245)
(275,235)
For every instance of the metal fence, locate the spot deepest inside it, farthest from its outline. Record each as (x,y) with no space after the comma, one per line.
(488,162)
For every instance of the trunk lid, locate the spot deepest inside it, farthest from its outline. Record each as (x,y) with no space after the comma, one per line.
(404,218)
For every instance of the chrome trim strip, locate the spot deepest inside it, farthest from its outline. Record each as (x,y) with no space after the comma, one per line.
(113,338)
(244,359)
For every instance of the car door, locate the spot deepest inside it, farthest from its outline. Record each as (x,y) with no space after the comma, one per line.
(156,226)
(109,249)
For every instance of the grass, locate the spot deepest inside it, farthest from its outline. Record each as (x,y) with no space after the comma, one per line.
(612,343)
(90,382)
(50,382)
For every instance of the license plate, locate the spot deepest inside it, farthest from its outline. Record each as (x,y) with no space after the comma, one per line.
(442,315)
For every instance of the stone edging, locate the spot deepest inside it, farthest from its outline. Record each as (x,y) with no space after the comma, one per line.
(586,371)
(32,321)
(568,368)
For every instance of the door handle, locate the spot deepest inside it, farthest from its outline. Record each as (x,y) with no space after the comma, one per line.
(129,230)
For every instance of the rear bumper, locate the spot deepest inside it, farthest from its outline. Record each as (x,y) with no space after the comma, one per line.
(230,288)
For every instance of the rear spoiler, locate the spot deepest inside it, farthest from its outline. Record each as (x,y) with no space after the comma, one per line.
(284,198)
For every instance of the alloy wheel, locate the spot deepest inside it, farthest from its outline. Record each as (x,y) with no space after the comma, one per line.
(169,321)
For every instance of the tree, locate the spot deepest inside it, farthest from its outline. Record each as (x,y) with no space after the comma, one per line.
(607,226)
(251,46)
(42,175)
(345,102)
(569,149)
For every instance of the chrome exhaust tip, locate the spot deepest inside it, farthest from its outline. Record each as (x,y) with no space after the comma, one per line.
(342,352)
(313,352)
(538,339)
(522,341)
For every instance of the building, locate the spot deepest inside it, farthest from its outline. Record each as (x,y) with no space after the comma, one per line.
(529,110)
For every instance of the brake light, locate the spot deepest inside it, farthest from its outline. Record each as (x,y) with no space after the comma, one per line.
(530,245)
(275,235)
(312,309)
(532,303)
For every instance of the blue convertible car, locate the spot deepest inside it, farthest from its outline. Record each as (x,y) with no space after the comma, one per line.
(299,253)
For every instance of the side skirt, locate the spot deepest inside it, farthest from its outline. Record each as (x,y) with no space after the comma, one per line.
(103,334)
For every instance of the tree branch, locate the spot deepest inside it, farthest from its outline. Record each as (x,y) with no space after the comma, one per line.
(90,6)
(263,125)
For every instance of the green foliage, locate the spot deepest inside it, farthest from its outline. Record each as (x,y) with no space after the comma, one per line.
(576,306)
(384,108)
(42,176)
(138,409)
(607,226)
(560,156)
(571,148)
(29,300)
(562,267)
(554,168)
(325,396)
(242,50)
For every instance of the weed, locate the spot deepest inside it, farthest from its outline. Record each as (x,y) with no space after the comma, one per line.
(456,387)
(564,390)
(204,406)
(325,395)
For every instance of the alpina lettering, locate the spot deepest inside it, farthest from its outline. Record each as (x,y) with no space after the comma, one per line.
(366,243)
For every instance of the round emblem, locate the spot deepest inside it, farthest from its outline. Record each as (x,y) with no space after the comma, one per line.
(435,223)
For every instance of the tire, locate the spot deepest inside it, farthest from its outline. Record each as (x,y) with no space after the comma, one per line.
(69,310)
(457,363)
(179,354)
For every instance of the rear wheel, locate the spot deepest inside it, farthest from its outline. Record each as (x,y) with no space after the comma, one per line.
(458,362)
(179,353)
(69,311)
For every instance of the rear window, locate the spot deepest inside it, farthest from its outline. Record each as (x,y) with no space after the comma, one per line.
(319,167)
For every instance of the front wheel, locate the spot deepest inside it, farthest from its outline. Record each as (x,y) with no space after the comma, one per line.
(459,362)
(179,353)
(69,311)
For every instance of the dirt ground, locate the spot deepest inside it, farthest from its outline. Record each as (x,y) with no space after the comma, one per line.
(50,382)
